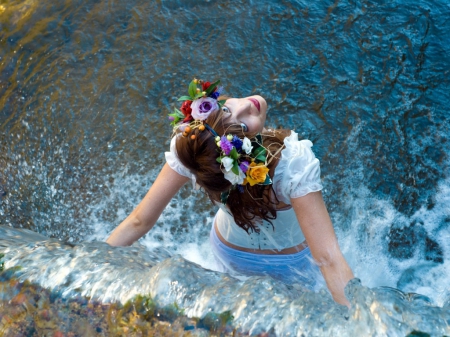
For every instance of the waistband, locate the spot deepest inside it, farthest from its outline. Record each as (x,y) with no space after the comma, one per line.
(285,251)
(273,256)
(292,268)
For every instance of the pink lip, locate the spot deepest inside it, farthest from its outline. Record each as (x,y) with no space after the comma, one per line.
(255,103)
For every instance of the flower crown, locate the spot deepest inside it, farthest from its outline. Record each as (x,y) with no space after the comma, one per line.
(243,161)
(199,104)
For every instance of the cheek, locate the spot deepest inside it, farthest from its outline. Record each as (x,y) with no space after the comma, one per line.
(256,125)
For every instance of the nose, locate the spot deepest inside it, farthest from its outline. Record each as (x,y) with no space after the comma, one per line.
(244,108)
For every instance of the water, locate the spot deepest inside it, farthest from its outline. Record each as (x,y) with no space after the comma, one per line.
(84,90)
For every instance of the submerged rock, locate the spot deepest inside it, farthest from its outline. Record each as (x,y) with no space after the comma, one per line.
(134,288)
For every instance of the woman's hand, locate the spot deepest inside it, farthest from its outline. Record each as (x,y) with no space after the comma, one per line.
(144,216)
(316,225)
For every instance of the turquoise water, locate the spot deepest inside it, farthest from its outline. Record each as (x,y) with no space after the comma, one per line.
(85,87)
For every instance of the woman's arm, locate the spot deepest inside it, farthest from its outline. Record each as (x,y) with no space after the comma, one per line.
(144,216)
(321,238)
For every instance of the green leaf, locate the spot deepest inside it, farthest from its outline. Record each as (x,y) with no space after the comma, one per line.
(268,181)
(178,113)
(211,87)
(224,197)
(259,151)
(261,158)
(192,89)
(234,154)
(259,138)
(235,168)
(185,98)
(257,141)
(219,160)
(222,102)
(174,122)
(199,95)
(177,116)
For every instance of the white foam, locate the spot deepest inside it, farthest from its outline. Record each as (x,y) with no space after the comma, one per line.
(362,225)
(193,244)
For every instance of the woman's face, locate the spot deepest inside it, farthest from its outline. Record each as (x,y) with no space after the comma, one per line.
(250,112)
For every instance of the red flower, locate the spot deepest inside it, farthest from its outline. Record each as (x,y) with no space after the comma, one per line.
(186,110)
(206,85)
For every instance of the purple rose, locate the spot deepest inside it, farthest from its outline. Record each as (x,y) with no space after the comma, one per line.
(203,107)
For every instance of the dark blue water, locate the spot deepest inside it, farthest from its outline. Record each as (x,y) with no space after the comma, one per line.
(85,87)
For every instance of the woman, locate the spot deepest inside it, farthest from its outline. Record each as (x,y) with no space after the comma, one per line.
(272,217)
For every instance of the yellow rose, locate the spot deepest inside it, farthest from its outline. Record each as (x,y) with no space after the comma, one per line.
(256,173)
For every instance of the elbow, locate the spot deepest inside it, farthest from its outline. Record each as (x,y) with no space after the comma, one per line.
(325,261)
(335,262)
(335,265)
(140,223)
(329,256)
(137,224)
(130,230)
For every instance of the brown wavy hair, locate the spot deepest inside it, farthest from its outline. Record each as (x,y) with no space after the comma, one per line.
(199,156)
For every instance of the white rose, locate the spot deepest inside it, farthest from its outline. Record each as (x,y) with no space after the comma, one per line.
(235,179)
(227,162)
(202,107)
(247,145)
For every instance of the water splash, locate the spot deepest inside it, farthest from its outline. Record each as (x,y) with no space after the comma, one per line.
(83,86)
(257,304)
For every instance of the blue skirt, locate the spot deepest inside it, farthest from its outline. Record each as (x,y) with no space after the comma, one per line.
(298,268)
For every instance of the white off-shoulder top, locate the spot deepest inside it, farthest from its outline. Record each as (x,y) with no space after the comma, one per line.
(297,174)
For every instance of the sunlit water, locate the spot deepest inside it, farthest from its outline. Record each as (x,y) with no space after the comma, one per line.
(85,87)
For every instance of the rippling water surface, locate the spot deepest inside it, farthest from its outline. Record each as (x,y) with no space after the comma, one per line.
(85,87)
